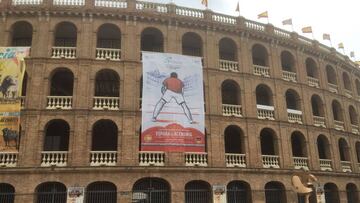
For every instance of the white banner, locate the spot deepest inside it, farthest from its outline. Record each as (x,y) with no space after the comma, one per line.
(172,103)
(75,195)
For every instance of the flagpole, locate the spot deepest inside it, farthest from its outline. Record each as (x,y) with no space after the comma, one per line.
(330,43)
(292,27)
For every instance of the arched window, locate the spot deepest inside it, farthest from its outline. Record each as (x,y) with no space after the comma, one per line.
(101,191)
(7,193)
(53,192)
(238,192)
(104,136)
(357,83)
(230,93)
(311,68)
(343,150)
(323,147)
(152,40)
(227,50)
(65,35)
(151,190)
(62,82)
(275,192)
(353,115)
(357,148)
(298,144)
(317,106)
(331,193)
(292,100)
(198,191)
(331,75)
(287,62)
(337,111)
(347,82)
(268,142)
(264,95)
(234,143)
(352,193)
(108,36)
(107,83)
(24,84)
(192,44)
(57,136)
(21,32)
(260,55)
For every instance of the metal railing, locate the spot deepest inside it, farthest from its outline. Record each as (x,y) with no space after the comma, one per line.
(151,158)
(196,159)
(319,121)
(235,160)
(301,162)
(54,158)
(103,158)
(231,110)
(289,76)
(261,70)
(59,102)
(270,161)
(63,52)
(106,103)
(226,65)
(8,159)
(265,112)
(325,164)
(108,54)
(294,116)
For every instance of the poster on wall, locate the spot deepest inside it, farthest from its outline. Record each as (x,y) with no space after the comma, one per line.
(75,194)
(172,103)
(12,69)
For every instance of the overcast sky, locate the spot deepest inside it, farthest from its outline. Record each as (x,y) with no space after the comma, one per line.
(340,19)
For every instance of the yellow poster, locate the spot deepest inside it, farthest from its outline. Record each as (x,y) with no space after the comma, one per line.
(12,69)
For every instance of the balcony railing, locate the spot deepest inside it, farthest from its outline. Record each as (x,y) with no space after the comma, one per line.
(348,93)
(319,121)
(261,70)
(313,82)
(289,76)
(231,110)
(189,12)
(270,161)
(108,54)
(354,129)
(195,159)
(54,158)
(106,103)
(103,158)
(345,166)
(63,52)
(339,125)
(22,101)
(232,66)
(59,102)
(265,112)
(325,164)
(8,159)
(235,160)
(69,2)
(111,3)
(26,2)
(333,88)
(294,116)
(151,6)
(151,158)
(301,162)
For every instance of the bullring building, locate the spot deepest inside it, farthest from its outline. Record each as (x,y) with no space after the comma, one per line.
(275,103)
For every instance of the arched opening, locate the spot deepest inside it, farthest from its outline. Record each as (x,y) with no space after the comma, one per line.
(357,83)
(101,191)
(264,95)
(238,191)
(151,190)
(347,82)
(292,100)
(62,82)
(65,35)
(21,34)
(311,68)
(234,143)
(108,36)
(288,62)
(344,150)
(24,84)
(317,106)
(152,40)
(227,50)
(268,142)
(53,192)
(337,111)
(331,75)
(331,193)
(357,148)
(298,144)
(323,147)
(353,115)
(57,136)
(198,191)
(107,83)
(275,192)
(230,93)
(7,193)
(260,55)
(104,136)
(192,44)
(352,193)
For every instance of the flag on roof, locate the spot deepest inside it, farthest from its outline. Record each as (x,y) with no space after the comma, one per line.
(326,36)
(204,2)
(287,22)
(263,15)
(341,45)
(307,29)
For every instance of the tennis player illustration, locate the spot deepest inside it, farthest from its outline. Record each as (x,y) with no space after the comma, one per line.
(173,88)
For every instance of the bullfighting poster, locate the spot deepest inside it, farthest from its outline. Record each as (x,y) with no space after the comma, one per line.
(12,69)
(172,103)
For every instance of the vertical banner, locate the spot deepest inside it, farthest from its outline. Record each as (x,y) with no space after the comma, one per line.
(12,69)
(172,103)
(75,195)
